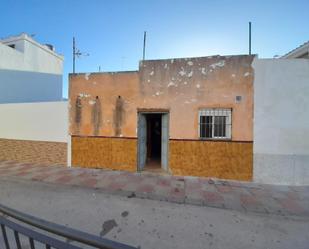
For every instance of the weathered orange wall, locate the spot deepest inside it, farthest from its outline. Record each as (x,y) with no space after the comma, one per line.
(104,106)
(226,160)
(107,86)
(102,152)
(182,86)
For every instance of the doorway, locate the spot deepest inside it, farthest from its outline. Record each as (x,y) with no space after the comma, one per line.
(154,137)
(152,141)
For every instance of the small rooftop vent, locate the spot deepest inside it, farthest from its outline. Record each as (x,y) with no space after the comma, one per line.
(50,47)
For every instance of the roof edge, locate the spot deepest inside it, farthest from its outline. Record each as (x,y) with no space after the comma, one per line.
(199,57)
(296,50)
(109,72)
(25,36)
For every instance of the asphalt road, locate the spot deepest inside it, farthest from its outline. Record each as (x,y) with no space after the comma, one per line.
(153,224)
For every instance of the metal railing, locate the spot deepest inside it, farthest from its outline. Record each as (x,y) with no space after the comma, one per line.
(51,235)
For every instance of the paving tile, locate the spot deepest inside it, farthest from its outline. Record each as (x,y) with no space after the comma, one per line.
(272,206)
(131,186)
(292,195)
(259,192)
(164,182)
(209,187)
(4,172)
(303,195)
(149,181)
(177,184)
(252,203)
(65,179)
(192,186)
(176,195)
(40,177)
(10,163)
(304,204)
(243,196)
(233,202)
(22,173)
(146,188)
(291,205)
(6,166)
(102,182)
(89,182)
(224,189)
(115,185)
(212,199)
(133,178)
(300,189)
(194,197)
(164,191)
(10,168)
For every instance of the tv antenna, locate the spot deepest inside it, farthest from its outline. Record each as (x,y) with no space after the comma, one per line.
(77,54)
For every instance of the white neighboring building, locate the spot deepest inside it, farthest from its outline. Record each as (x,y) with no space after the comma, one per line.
(281,121)
(281,118)
(34,117)
(41,121)
(29,71)
(301,52)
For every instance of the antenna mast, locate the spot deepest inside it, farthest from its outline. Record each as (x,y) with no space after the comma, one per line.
(144,47)
(249,38)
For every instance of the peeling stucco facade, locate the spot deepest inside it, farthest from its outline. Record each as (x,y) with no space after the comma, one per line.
(106,104)
(186,85)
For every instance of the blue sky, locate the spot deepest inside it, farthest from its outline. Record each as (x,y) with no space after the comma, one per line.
(112,31)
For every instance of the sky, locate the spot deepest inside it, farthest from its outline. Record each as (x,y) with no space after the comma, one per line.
(111,32)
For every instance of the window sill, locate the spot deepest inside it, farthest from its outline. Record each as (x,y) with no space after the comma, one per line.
(215,139)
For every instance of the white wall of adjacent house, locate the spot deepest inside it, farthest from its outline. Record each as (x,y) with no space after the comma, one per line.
(29,72)
(44,121)
(281,121)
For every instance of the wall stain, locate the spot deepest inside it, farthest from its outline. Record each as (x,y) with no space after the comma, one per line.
(124,214)
(96,116)
(119,114)
(107,227)
(78,113)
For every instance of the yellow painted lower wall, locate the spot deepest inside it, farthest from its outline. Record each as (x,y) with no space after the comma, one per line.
(226,160)
(104,152)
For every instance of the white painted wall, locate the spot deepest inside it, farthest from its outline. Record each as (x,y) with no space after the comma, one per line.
(23,86)
(45,121)
(29,73)
(29,55)
(281,121)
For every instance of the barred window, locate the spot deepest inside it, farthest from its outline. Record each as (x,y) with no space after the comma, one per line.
(215,123)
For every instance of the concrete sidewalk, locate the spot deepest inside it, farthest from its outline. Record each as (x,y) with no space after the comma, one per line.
(241,196)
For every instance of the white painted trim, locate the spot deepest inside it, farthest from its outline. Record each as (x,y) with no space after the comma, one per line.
(69,151)
(217,112)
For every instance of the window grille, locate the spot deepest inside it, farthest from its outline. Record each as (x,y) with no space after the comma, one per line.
(215,123)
